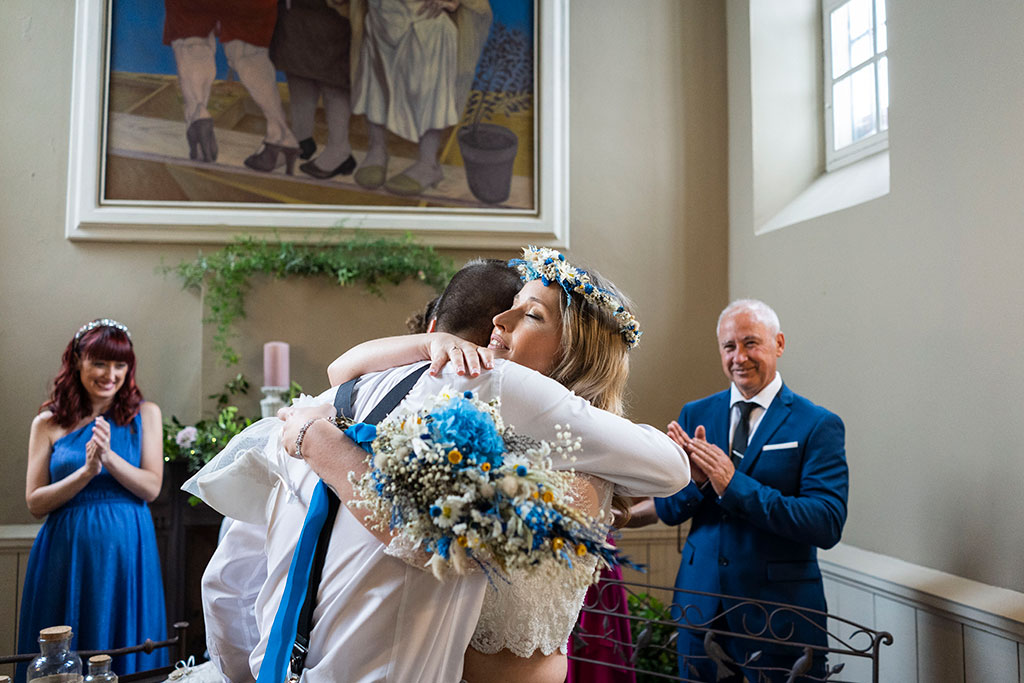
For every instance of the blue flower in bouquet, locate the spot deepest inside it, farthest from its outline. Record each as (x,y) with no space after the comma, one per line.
(464,427)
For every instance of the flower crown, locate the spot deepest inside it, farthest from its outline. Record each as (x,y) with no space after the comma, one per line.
(550,266)
(102,322)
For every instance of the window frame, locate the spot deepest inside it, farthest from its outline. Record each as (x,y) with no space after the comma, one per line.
(876,142)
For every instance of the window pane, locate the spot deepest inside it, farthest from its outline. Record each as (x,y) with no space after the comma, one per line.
(861,41)
(840,41)
(842,114)
(861,49)
(864,123)
(883,93)
(880,32)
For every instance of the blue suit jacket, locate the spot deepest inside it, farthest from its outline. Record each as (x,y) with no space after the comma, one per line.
(760,539)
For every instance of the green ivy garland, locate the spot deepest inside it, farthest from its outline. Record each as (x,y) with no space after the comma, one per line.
(371,261)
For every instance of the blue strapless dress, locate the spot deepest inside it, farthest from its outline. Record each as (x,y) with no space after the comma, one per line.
(94,565)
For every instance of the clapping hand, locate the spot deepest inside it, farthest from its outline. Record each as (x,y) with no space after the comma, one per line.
(93,464)
(100,440)
(708,462)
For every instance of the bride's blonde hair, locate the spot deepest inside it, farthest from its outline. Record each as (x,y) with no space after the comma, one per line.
(594,361)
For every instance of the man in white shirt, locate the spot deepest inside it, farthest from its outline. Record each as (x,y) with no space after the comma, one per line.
(378,618)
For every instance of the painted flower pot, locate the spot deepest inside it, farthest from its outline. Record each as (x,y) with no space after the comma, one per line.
(488,152)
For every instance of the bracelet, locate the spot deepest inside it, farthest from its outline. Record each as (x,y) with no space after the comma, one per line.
(341,423)
(302,435)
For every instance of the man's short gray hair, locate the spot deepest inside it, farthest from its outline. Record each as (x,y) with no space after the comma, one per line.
(762,311)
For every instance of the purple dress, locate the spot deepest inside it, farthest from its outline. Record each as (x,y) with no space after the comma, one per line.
(589,639)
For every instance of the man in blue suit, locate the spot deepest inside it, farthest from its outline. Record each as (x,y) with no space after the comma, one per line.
(769,487)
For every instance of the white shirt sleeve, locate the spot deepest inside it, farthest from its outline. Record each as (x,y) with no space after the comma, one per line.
(231,582)
(638,459)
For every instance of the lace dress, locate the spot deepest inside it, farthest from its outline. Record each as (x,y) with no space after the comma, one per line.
(536,610)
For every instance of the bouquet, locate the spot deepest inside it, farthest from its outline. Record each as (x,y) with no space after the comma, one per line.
(453,481)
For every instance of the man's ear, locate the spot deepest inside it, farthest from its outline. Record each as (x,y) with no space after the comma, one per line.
(432,325)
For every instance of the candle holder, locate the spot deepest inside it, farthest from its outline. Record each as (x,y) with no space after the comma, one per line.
(273,401)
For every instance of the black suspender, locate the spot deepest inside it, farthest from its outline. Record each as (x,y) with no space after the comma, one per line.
(343,404)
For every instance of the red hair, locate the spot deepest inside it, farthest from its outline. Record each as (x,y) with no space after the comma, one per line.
(69,401)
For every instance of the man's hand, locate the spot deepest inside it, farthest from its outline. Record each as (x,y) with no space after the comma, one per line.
(676,433)
(711,460)
(294,418)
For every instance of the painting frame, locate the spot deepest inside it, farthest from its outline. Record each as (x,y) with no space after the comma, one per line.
(88,217)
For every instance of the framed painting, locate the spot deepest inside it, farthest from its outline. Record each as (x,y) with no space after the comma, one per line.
(196,121)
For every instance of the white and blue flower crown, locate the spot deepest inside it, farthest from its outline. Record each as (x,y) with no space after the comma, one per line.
(549,265)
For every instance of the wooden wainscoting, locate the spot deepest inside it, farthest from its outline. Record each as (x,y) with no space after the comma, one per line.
(658,547)
(15,544)
(946,629)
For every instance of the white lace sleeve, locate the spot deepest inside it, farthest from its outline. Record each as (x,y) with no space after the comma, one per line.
(529,611)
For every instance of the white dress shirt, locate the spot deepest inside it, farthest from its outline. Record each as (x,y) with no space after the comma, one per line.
(761,401)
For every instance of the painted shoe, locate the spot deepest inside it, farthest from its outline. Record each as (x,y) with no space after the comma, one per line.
(266,159)
(345,168)
(202,144)
(406,186)
(371,177)
(307,148)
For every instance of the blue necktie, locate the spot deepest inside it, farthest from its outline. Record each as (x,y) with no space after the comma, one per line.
(276,659)
(282,635)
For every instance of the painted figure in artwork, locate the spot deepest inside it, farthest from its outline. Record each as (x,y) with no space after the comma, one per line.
(244,28)
(414,64)
(311,46)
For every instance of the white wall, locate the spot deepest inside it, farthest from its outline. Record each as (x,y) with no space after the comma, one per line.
(903,315)
(648,196)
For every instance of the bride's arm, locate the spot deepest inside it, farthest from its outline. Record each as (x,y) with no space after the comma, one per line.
(437,347)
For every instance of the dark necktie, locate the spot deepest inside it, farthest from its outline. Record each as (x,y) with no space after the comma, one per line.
(742,433)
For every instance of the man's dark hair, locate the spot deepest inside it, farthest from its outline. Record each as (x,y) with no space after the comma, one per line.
(481,289)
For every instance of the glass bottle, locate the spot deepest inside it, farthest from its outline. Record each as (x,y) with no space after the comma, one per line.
(99,670)
(56,662)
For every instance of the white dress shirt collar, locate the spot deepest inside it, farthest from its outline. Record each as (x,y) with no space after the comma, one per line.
(763,398)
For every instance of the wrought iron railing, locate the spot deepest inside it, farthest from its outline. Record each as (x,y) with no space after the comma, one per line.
(648,647)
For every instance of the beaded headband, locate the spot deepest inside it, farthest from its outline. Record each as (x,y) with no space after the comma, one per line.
(102,322)
(550,266)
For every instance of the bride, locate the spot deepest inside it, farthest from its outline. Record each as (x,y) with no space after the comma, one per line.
(573,326)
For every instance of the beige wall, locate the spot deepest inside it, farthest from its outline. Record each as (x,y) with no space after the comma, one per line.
(648,205)
(903,315)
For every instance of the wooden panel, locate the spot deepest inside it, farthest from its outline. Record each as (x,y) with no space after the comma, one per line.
(22,569)
(8,608)
(940,649)
(832,603)
(856,605)
(989,658)
(897,662)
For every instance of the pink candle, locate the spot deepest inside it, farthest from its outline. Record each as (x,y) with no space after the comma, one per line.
(275,364)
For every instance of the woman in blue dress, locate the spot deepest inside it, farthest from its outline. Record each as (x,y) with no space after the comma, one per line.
(94,461)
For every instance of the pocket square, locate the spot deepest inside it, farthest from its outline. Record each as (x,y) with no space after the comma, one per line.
(779,446)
